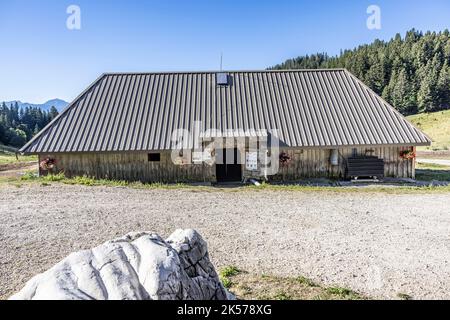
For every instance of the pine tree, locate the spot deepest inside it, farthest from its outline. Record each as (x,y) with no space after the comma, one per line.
(402,96)
(418,61)
(426,96)
(443,87)
(36,130)
(53,113)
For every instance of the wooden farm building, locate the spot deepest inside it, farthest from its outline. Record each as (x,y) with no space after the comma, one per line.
(316,123)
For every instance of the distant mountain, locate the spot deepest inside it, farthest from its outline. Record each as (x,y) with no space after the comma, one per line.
(57,103)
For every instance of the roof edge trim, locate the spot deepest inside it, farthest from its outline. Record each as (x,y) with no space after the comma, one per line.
(373,93)
(69,106)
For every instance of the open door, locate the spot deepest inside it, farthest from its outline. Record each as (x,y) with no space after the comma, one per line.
(229,169)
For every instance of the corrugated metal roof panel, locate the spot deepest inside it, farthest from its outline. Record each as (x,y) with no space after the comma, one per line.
(309,108)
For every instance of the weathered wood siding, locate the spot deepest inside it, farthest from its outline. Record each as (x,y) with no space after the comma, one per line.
(130,167)
(311,163)
(305,163)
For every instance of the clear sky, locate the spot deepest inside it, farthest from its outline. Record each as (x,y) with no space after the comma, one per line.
(40,58)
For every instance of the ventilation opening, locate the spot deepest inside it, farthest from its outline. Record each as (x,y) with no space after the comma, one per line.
(222,79)
(154,157)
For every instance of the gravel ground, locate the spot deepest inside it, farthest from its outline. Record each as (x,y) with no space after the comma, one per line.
(378,244)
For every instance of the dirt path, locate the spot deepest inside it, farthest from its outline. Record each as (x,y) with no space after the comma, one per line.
(376,243)
(17,169)
(442,162)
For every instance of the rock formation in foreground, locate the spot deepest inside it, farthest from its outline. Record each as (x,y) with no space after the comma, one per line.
(137,266)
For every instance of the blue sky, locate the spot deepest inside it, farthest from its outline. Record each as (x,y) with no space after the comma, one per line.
(41,59)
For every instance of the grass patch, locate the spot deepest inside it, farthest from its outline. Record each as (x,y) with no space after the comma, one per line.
(306,281)
(369,189)
(225,275)
(53,177)
(431,166)
(429,175)
(8,156)
(344,293)
(281,295)
(394,189)
(248,286)
(29,176)
(229,271)
(437,126)
(404,296)
(432,171)
(226,282)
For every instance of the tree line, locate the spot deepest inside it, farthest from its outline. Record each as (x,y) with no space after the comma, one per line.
(19,125)
(411,73)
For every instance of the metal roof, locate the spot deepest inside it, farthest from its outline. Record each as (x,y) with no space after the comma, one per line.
(310,108)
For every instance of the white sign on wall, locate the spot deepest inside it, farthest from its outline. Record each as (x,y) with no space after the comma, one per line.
(251,161)
(201,156)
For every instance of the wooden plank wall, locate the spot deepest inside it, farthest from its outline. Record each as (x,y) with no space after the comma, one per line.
(305,163)
(314,163)
(130,167)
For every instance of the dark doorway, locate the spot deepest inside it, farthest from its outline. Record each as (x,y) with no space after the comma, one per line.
(228,170)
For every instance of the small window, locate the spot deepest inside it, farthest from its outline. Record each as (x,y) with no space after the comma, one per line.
(154,157)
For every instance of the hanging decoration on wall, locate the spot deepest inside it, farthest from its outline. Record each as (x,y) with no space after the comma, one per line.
(407,154)
(284,159)
(48,164)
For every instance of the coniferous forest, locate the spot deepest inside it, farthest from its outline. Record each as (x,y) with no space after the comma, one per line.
(19,125)
(412,72)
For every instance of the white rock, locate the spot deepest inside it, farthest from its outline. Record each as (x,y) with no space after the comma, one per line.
(136,266)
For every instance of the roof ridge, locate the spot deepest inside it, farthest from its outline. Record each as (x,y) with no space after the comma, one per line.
(225,71)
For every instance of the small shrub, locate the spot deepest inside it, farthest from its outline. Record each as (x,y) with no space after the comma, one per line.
(227,283)
(229,271)
(54,177)
(84,180)
(29,175)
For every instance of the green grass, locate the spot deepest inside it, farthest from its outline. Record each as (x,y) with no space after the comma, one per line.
(88,181)
(344,293)
(430,174)
(370,189)
(29,176)
(404,296)
(431,166)
(8,156)
(282,295)
(266,287)
(306,281)
(431,171)
(227,283)
(225,275)
(437,126)
(229,271)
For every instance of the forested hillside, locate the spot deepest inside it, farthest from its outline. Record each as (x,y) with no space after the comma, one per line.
(412,72)
(19,125)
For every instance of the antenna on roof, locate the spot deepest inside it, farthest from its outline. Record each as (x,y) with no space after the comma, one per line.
(221,59)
